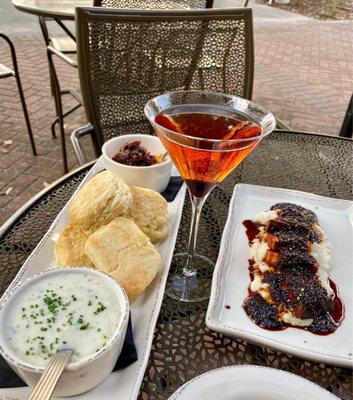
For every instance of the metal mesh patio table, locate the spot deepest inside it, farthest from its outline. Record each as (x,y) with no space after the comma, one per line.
(183,346)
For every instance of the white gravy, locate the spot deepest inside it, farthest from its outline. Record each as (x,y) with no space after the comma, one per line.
(73,310)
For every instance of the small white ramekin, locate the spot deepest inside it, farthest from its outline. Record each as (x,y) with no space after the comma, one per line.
(87,373)
(154,177)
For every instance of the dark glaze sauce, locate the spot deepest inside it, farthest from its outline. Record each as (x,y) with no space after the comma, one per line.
(265,314)
(337,313)
(251,230)
(327,324)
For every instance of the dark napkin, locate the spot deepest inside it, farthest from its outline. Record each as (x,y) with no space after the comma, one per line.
(128,355)
(173,187)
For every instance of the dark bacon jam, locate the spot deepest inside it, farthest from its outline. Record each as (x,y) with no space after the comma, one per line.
(291,280)
(136,155)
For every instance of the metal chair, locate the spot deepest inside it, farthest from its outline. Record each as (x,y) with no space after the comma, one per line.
(6,72)
(61,47)
(127,57)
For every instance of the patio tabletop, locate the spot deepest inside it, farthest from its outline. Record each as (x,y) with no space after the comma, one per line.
(183,346)
(60,9)
(65,9)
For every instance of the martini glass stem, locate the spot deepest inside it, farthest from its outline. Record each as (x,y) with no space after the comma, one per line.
(196,207)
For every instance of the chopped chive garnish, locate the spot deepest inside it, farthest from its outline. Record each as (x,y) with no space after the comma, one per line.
(84,327)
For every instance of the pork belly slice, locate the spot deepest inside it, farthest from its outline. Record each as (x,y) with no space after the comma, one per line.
(298,291)
(288,245)
(293,255)
(296,214)
(279,233)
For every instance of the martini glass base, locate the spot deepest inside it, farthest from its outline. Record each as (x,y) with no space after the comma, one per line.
(194,287)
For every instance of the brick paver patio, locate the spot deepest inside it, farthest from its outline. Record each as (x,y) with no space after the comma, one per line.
(303,73)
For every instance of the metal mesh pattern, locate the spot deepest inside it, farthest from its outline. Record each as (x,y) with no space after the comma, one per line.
(152,4)
(19,241)
(183,347)
(126,62)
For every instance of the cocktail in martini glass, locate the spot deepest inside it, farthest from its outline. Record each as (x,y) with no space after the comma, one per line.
(206,134)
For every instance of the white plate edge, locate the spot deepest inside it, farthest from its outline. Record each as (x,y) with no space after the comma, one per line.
(229,228)
(176,394)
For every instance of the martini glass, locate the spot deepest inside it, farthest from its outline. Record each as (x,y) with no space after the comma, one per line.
(206,134)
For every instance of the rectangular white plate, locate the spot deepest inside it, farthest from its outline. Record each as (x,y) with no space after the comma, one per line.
(123,384)
(231,277)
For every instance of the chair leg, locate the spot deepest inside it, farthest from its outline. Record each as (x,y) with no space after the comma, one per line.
(20,91)
(59,111)
(44,29)
(53,92)
(58,106)
(25,112)
(65,114)
(52,128)
(62,136)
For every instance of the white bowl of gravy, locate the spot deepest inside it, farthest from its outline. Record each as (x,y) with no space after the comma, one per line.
(76,308)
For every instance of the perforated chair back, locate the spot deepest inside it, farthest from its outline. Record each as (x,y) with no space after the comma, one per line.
(127,57)
(154,4)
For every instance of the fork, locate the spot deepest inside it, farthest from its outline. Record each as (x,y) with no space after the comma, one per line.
(47,382)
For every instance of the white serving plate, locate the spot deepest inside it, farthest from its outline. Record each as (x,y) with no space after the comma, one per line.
(231,277)
(123,384)
(248,382)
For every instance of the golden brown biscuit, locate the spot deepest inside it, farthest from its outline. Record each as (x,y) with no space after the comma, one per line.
(99,201)
(138,267)
(69,248)
(123,251)
(149,210)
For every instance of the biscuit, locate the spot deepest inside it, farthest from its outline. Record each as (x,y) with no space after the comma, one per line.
(69,248)
(149,210)
(138,267)
(100,200)
(123,251)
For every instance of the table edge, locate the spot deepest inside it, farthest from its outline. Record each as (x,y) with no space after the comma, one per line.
(41,12)
(326,135)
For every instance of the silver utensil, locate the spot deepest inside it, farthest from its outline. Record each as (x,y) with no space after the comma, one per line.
(47,382)
(165,157)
